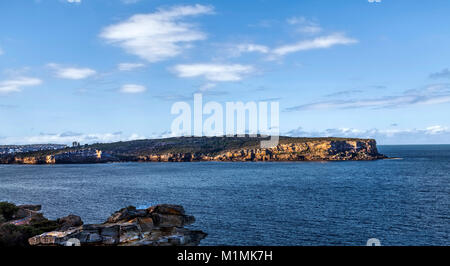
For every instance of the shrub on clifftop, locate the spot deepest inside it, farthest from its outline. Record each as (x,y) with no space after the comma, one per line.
(17,235)
(7,210)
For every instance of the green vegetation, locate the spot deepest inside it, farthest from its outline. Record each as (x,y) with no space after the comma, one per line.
(7,210)
(13,235)
(204,145)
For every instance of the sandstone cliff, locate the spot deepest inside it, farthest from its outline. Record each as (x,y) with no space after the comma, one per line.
(336,150)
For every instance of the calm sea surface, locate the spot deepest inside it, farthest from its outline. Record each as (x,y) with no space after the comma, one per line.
(400,202)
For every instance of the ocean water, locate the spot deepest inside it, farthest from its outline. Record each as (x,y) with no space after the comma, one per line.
(400,202)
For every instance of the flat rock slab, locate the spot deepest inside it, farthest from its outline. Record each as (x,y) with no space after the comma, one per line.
(160,225)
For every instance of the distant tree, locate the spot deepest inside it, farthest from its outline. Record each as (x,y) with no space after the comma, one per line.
(7,210)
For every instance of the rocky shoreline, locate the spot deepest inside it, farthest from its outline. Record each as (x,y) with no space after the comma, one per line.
(199,149)
(160,225)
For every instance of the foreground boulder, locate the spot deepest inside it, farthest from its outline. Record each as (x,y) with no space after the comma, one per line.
(160,225)
(65,223)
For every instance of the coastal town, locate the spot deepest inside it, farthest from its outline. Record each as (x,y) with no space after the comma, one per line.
(12,149)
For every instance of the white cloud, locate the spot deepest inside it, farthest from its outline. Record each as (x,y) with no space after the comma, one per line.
(311,29)
(304,25)
(275,53)
(430,95)
(74,1)
(132,88)
(129,66)
(72,72)
(437,134)
(76,73)
(433,130)
(236,50)
(69,137)
(249,48)
(17,72)
(214,72)
(207,87)
(157,36)
(317,43)
(16,85)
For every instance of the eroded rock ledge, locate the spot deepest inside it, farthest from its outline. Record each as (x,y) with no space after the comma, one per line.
(160,225)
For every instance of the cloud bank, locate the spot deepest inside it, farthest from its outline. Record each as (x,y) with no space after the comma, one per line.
(69,137)
(436,134)
(316,43)
(72,72)
(129,66)
(304,25)
(160,35)
(132,89)
(16,85)
(214,72)
(432,94)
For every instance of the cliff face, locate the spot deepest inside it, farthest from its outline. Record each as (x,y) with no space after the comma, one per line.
(310,151)
(289,149)
(319,150)
(67,157)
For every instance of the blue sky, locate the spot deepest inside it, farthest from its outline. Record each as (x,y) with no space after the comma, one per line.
(97,71)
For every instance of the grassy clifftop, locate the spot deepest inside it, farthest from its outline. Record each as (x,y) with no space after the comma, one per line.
(209,145)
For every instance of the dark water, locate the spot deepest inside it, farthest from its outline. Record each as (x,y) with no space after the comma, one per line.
(400,202)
